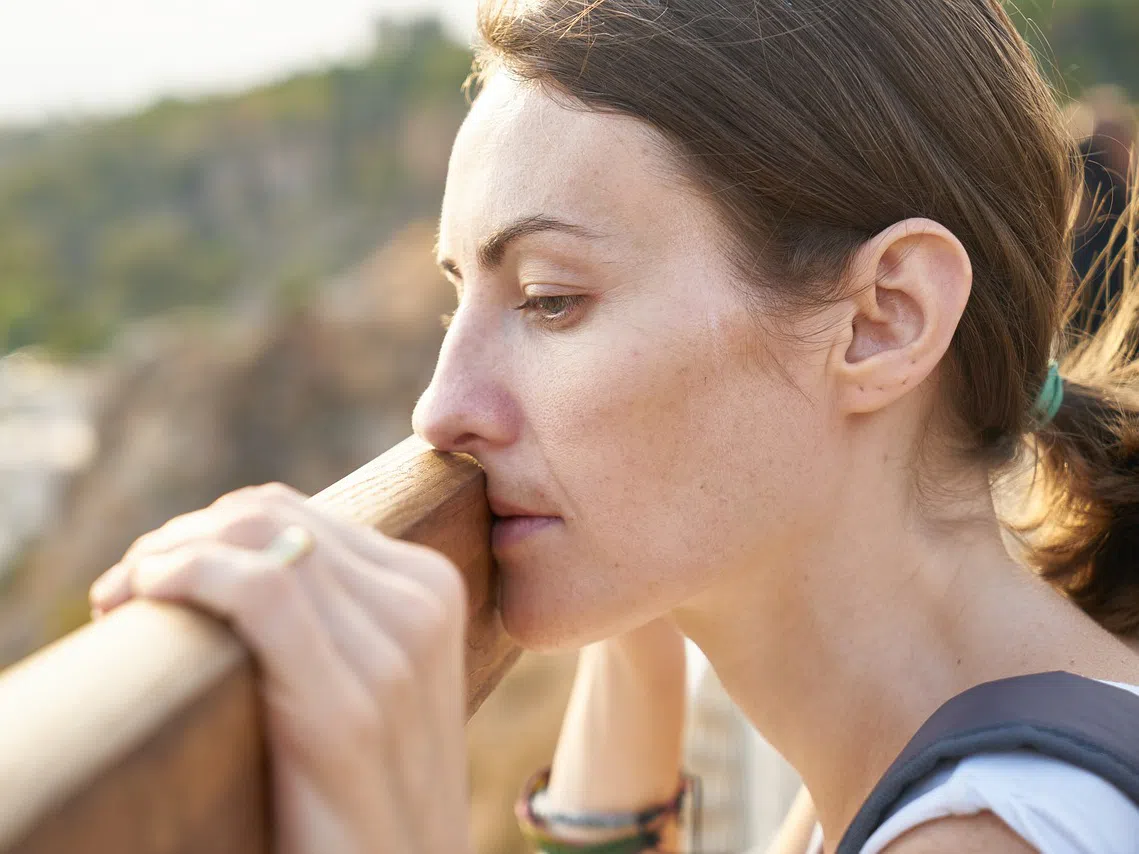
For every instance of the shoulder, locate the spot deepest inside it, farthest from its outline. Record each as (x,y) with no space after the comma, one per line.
(983,833)
(1011,802)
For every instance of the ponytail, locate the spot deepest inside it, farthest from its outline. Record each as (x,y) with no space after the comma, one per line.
(1082,532)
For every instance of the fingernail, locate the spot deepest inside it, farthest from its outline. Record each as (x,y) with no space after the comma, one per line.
(111,588)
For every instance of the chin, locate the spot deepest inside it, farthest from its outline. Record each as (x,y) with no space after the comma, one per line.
(543,617)
(535,625)
(543,613)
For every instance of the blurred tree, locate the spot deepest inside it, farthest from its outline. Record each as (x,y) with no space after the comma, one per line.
(1083,42)
(181,203)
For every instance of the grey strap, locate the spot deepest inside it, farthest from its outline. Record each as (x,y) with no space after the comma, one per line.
(1088,724)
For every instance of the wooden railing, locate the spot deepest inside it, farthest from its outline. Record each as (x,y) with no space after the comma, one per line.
(139,734)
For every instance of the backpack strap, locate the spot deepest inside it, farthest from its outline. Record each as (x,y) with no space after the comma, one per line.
(1086,723)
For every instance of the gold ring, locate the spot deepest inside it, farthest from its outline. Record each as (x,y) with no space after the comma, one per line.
(289,546)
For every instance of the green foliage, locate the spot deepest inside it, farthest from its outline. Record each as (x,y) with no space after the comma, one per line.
(1083,42)
(187,201)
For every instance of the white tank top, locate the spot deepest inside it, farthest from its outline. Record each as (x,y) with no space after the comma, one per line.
(1055,807)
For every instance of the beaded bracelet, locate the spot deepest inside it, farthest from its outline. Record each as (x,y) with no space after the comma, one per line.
(643,828)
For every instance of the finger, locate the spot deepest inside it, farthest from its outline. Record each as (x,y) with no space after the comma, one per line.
(421,562)
(365,605)
(309,637)
(255,527)
(424,612)
(246,517)
(400,606)
(240,526)
(389,579)
(427,624)
(395,681)
(399,681)
(401,641)
(421,592)
(362,639)
(261,600)
(110,590)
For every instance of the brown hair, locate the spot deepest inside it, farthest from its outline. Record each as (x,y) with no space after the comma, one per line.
(815,124)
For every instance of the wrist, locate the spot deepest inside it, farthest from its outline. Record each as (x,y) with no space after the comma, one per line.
(648,827)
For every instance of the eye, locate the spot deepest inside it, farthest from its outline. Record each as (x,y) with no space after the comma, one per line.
(553,309)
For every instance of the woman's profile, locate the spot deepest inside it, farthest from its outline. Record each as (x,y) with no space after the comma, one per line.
(759,313)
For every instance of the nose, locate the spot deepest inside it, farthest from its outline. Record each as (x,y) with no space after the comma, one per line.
(468,406)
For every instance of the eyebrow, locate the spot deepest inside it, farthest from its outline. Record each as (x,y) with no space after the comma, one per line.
(492,250)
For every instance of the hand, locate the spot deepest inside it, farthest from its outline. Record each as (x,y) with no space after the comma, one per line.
(360,644)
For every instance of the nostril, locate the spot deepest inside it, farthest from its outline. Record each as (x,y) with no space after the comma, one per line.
(464,441)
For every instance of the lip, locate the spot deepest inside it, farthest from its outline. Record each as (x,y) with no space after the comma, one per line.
(506,509)
(509,531)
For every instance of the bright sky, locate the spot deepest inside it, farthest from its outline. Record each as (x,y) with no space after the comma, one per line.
(67,57)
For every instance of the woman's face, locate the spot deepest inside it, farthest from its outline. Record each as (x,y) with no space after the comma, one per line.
(603,367)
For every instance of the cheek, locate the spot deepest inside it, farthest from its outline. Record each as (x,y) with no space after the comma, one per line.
(613,424)
(676,460)
(674,466)
(666,448)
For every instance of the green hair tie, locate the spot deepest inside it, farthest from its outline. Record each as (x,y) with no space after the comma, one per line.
(1050,397)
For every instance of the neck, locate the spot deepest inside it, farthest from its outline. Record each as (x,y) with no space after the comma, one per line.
(839,648)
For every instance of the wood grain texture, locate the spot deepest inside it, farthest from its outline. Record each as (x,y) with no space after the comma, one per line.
(139,734)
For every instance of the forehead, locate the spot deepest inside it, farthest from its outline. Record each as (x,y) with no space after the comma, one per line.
(522,153)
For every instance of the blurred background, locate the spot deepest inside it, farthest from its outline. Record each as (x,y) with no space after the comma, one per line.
(216,222)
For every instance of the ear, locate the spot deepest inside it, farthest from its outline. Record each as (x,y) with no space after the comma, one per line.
(909,288)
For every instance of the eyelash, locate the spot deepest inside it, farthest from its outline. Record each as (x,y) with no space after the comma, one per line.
(550,310)
(562,307)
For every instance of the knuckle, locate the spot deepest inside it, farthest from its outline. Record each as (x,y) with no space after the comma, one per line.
(359,721)
(276,487)
(450,589)
(259,492)
(438,569)
(243,525)
(435,629)
(184,562)
(243,493)
(431,625)
(440,578)
(159,538)
(189,556)
(265,593)
(276,491)
(411,551)
(396,676)
(143,544)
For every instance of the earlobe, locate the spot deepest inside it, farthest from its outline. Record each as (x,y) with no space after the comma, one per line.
(908,289)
